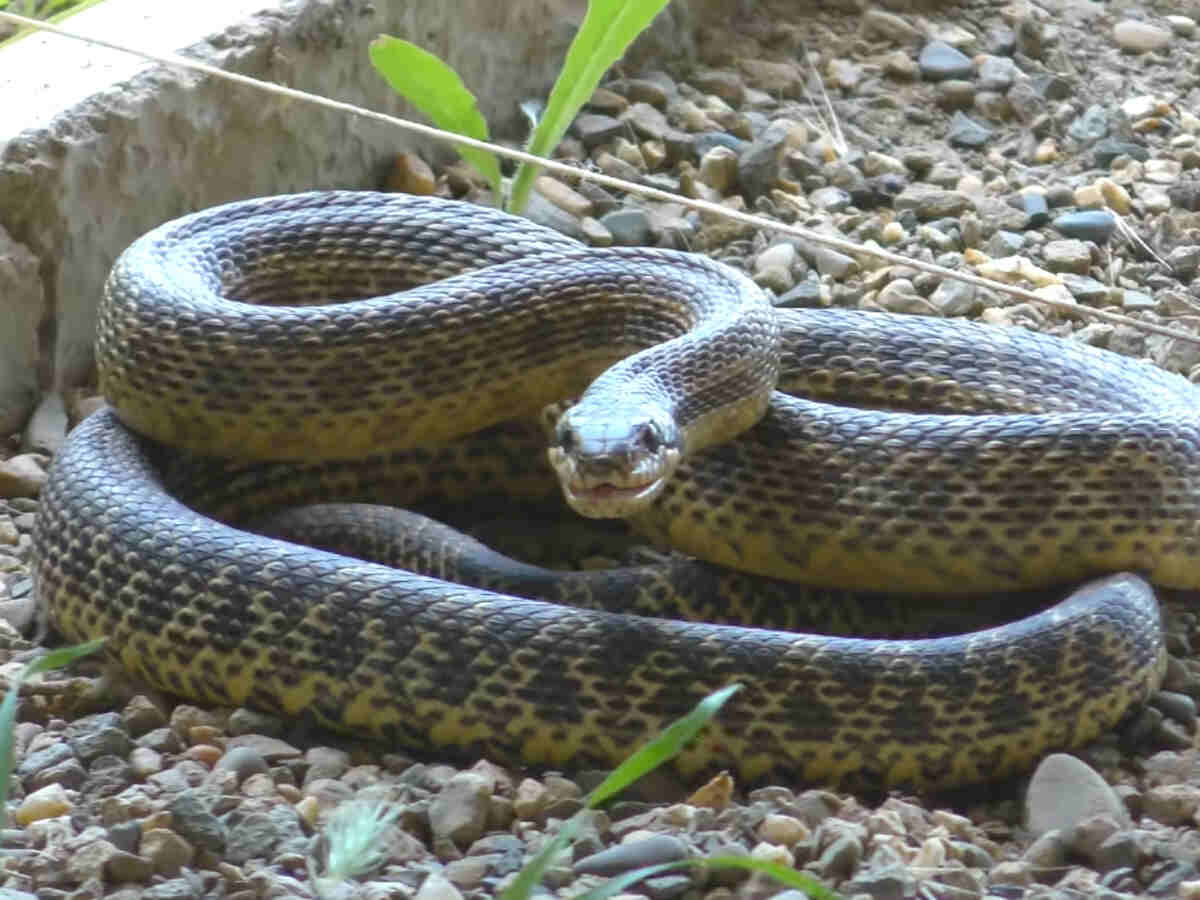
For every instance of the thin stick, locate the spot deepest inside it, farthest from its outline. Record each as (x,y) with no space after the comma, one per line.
(703,206)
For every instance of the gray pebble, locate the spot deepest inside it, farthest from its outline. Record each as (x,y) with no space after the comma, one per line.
(125,836)
(709,139)
(1025,101)
(1118,851)
(630,226)
(1068,255)
(1048,851)
(664,887)
(1184,260)
(939,61)
(1085,289)
(930,202)
(652,851)
(758,163)
(244,721)
(840,858)
(259,835)
(99,735)
(543,212)
(1107,150)
(1095,225)
(175,889)
(1005,243)
(192,820)
(45,758)
(1180,707)
(69,773)
(1167,876)
(956,298)
(1185,195)
(1134,301)
(830,199)
(1064,790)
(889,25)
(1036,208)
(459,812)
(997,73)
(1091,125)
(724,84)
(806,294)
(647,122)
(594,129)
(884,883)
(243,761)
(966,132)
(644,90)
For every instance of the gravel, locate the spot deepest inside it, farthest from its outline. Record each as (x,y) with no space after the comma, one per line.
(967,144)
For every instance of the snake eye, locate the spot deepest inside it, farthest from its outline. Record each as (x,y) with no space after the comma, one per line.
(651,438)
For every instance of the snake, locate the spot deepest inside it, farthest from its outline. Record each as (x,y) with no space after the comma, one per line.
(366,347)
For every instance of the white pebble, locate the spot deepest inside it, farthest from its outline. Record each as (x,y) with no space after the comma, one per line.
(1185,26)
(780,255)
(1140,37)
(786,831)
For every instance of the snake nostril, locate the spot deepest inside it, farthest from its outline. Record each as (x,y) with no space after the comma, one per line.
(566,438)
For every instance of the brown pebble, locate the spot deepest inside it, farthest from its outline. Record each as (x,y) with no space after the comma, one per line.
(141,714)
(205,754)
(411,175)
(185,717)
(206,734)
(22,476)
(716,793)
(166,850)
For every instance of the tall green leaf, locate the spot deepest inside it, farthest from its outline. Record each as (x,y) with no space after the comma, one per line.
(436,90)
(664,746)
(55,659)
(606,33)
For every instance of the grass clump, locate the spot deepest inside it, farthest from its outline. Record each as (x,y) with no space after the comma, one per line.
(352,842)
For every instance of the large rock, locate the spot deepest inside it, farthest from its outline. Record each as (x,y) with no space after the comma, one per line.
(113,145)
(22,305)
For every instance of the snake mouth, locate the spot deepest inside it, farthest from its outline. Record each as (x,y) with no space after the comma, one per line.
(607,500)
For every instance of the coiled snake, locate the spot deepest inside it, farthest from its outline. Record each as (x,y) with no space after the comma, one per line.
(239,334)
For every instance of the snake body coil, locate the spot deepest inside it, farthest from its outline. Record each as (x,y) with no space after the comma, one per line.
(1090,469)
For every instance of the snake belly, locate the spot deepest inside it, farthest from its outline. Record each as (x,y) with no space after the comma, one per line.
(214,613)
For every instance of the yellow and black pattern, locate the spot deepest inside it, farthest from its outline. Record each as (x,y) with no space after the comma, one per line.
(1077,463)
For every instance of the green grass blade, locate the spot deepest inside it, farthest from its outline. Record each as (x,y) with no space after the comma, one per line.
(63,656)
(55,659)
(662,748)
(531,873)
(788,876)
(436,90)
(654,754)
(606,33)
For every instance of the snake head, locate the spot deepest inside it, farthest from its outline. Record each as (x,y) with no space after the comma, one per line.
(612,466)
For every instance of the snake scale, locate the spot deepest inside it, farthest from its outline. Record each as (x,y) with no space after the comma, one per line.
(266,340)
